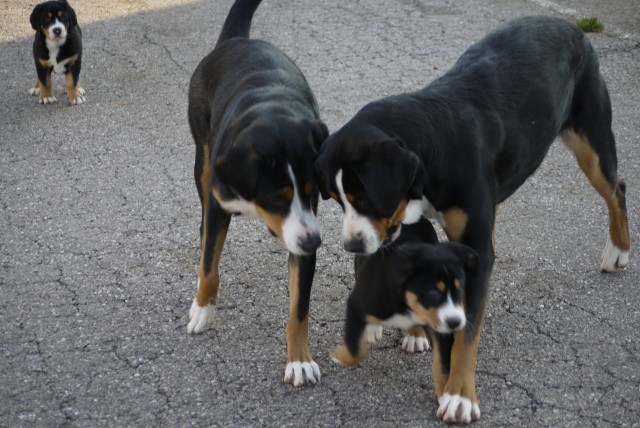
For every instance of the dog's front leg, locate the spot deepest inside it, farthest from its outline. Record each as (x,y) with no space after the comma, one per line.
(213,233)
(455,355)
(300,366)
(75,94)
(43,87)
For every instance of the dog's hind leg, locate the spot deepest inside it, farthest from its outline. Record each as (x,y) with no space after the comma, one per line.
(300,366)
(591,140)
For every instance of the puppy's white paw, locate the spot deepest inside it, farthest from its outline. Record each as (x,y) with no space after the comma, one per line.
(459,409)
(302,372)
(47,100)
(34,92)
(613,258)
(373,333)
(413,344)
(201,317)
(77,101)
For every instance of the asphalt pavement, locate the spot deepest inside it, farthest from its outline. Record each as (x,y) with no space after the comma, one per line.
(99,221)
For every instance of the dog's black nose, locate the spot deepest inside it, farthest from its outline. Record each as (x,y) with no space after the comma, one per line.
(57,31)
(354,246)
(310,243)
(453,322)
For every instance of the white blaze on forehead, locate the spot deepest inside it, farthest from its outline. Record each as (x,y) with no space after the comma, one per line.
(300,223)
(355,225)
(53,26)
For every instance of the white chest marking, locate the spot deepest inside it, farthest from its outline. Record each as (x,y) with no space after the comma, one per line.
(54,49)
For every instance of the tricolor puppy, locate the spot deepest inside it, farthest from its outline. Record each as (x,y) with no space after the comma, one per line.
(459,147)
(411,283)
(256,126)
(57,47)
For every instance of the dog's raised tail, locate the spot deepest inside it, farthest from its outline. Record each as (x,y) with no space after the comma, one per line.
(238,22)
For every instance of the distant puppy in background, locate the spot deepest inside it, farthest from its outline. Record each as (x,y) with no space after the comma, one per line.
(57,47)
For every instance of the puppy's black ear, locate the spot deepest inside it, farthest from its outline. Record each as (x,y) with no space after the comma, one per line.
(238,168)
(35,16)
(73,20)
(466,254)
(323,175)
(387,175)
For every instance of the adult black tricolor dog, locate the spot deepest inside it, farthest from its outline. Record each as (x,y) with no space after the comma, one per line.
(462,145)
(256,126)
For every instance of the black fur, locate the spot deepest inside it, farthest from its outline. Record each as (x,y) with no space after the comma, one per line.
(43,15)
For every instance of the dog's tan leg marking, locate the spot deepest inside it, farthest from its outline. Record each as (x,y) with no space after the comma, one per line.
(455,222)
(205,185)
(589,162)
(440,377)
(459,402)
(342,355)
(300,367)
(203,306)
(75,94)
(46,88)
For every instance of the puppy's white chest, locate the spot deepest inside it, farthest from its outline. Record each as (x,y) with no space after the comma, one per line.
(54,48)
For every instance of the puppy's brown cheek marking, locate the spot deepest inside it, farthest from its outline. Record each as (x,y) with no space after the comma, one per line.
(464,355)
(589,163)
(455,220)
(273,221)
(383,225)
(424,315)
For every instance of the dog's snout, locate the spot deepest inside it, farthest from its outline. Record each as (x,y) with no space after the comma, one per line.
(309,243)
(57,31)
(354,245)
(453,322)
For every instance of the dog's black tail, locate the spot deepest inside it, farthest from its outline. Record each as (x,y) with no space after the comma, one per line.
(238,22)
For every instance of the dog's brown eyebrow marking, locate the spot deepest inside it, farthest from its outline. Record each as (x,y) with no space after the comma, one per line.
(441,286)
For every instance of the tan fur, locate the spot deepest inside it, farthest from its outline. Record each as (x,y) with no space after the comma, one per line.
(589,162)
(455,220)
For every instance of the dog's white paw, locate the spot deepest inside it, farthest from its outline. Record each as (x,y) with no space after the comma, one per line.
(413,344)
(34,92)
(77,101)
(299,373)
(200,317)
(613,258)
(80,99)
(456,408)
(373,333)
(47,100)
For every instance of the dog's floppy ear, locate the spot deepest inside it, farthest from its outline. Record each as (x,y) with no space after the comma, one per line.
(387,175)
(73,20)
(35,16)
(238,168)
(324,173)
(466,254)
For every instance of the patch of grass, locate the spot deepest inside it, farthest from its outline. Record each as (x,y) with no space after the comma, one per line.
(590,25)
